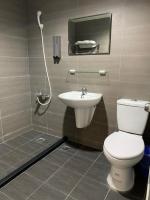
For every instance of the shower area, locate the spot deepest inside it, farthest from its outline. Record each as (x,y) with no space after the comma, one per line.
(26,100)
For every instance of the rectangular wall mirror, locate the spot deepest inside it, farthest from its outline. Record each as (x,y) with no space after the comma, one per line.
(90,35)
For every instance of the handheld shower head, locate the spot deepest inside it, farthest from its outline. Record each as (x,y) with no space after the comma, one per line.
(39,13)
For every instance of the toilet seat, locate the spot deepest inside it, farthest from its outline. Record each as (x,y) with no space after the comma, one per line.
(122,145)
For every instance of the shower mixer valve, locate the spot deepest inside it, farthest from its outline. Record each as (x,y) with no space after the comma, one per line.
(42,97)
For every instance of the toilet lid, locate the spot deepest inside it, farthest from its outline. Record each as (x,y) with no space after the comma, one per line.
(123,145)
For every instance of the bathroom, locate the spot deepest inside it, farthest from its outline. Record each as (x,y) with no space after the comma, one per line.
(43,153)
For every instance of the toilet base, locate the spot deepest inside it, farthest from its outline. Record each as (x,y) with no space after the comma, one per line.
(121,180)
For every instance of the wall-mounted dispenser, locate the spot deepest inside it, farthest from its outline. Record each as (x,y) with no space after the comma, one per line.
(56,49)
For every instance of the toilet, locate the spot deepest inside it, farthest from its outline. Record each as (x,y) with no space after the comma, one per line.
(125,148)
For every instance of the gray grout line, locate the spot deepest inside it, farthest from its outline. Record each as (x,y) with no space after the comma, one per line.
(51,176)
(1,124)
(14,37)
(10,135)
(37,179)
(6,195)
(14,57)
(15,95)
(17,148)
(72,198)
(84,174)
(16,113)
(48,133)
(15,77)
(107,194)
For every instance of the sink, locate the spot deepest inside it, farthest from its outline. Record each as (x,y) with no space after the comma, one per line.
(74,99)
(84,105)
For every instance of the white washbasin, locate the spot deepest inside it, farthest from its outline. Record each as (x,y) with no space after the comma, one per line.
(84,105)
(74,99)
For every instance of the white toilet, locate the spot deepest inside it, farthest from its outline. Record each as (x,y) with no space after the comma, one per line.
(125,148)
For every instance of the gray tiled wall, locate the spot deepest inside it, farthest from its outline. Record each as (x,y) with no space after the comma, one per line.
(15,98)
(128,64)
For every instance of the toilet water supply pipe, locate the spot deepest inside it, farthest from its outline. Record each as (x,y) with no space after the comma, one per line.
(41,26)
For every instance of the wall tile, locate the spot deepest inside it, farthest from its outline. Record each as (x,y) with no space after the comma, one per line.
(135,69)
(16,121)
(13,46)
(14,69)
(136,13)
(127,64)
(136,41)
(14,104)
(13,66)
(13,86)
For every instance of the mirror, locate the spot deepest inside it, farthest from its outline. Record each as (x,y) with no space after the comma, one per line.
(90,35)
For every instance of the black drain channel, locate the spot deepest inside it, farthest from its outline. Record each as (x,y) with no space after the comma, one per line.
(31,162)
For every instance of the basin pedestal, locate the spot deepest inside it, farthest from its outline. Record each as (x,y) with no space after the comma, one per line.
(84,116)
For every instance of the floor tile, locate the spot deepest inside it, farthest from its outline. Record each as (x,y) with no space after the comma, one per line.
(71,198)
(78,164)
(102,160)
(88,153)
(42,169)
(64,180)
(139,189)
(16,142)
(76,161)
(89,189)
(47,193)
(31,135)
(69,147)
(5,169)
(58,157)
(14,158)
(32,147)
(4,149)
(117,196)
(45,139)
(21,187)
(4,197)
(99,172)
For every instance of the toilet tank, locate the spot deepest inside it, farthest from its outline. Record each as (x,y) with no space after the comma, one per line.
(131,115)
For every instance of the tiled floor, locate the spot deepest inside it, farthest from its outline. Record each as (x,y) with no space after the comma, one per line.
(68,173)
(20,149)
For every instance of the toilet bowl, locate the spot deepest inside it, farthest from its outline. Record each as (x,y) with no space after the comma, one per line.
(125,148)
(122,158)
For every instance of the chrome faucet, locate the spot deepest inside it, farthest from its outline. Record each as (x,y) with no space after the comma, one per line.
(83,92)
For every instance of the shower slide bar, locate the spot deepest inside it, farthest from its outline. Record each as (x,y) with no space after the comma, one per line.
(31,162)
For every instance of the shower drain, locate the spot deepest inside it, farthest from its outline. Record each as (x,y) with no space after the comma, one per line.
(65,148)
(40,140)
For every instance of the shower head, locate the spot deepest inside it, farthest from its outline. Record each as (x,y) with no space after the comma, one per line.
(39,13)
